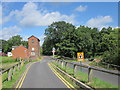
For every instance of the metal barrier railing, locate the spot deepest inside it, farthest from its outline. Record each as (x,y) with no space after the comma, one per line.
(90,68)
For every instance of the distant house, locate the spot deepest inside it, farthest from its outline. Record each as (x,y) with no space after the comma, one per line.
(33,51)
(20,52)
(13,47)
(9,54)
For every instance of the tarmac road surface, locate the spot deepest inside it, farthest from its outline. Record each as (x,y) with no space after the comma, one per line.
(41,76)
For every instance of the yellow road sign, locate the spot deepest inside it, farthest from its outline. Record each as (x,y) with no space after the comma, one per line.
(80,56)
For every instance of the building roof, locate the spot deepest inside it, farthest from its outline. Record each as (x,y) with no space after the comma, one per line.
(33,36)
(18,46)
(14,47)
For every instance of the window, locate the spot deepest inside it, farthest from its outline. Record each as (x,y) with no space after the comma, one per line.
(33,49)
(33,40)
(24,51)
(32,53)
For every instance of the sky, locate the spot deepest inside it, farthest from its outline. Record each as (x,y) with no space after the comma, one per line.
(32,18)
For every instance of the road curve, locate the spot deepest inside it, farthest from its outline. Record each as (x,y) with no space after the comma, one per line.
(41,76)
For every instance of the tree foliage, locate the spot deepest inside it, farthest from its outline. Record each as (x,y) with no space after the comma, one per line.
(13,41)
(69,40)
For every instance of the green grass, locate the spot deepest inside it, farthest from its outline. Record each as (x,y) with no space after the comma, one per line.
(83,77)
(7,62)
(15,77)
(66,77)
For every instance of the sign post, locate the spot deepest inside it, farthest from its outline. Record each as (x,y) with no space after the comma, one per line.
(53,51)
(80,57)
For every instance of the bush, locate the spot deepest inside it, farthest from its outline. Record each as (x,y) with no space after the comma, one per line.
(111,57)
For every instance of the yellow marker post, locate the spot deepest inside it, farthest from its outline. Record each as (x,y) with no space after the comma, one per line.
(80,57)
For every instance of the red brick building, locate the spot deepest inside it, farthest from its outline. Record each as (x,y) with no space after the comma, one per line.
(20,52)
(33,51)
(33,47)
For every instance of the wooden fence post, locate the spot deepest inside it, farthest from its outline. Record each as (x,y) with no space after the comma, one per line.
(14,69)
(10,74)
(90,74)
(62,64)
(108,66)
(55,61)
(18,66)
(74,69)
(21,64)
(58,63)
(66,66)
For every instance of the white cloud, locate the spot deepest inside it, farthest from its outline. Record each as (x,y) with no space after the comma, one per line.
(8,32)
(25,38)
(31,16)
(81,8)
(99,22)
(42,39)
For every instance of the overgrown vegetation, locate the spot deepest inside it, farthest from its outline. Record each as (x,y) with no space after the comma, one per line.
(68,40)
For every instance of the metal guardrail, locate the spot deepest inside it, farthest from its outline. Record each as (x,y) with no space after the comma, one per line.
(82,85)
(108,65)
(90,68)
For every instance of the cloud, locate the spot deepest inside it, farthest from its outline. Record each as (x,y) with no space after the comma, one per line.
(99,21)
(30,15)
(81,8)
(25,38)
(42,39)
(8,32)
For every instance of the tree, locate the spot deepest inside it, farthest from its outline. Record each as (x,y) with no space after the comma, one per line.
(13,41)
(56,33)
(25,43)
(69,40)
(110,41)
(4,45)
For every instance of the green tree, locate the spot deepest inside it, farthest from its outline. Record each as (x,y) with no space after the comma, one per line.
(69,40)
(13,41)
(55,35)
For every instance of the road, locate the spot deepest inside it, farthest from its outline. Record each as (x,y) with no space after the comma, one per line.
(41,76)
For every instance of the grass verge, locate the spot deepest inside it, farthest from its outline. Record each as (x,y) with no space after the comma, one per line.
(81,76)
(16,76)
(9,84)
(67,78)
(7,62)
